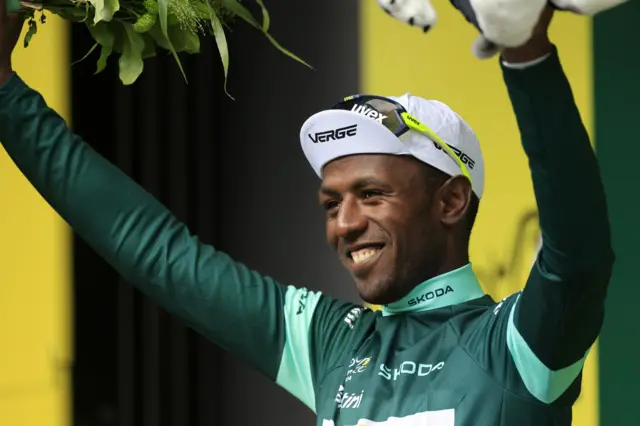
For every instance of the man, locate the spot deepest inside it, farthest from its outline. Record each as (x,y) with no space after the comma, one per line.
(401,182)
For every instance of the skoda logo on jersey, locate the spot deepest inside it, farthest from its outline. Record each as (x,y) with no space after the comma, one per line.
(430,295)
(367,111)
(409,368)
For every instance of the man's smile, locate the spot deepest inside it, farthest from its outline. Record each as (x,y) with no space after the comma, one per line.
(362,257)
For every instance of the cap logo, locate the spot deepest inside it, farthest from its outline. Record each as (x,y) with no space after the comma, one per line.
(462,155)
(369,112)
(334,134)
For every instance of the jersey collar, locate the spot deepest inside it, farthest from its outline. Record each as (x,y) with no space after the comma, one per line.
(454,287)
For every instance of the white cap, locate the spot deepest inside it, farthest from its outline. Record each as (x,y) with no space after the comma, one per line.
(354,133)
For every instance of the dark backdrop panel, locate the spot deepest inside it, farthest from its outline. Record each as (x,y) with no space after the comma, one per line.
(616,90)
(234,172)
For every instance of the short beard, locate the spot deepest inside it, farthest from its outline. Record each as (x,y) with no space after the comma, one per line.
(394,287)
(383,292)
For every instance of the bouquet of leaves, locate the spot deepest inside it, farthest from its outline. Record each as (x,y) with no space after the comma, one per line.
(136,29)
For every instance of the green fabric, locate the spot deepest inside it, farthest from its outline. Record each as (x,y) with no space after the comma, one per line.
(295,373)
(545,384)
(224,300)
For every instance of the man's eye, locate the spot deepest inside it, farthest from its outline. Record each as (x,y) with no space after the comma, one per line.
(370,193)
(330,205)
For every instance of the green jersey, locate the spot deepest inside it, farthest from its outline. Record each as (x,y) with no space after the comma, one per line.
(445,355)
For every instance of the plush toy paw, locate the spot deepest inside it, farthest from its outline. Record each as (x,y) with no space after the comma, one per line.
(508,23)
(419,13)
(483,48)
(587,7)
(501,23)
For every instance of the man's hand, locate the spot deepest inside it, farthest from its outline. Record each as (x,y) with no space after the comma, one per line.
(537,46)
(10,28)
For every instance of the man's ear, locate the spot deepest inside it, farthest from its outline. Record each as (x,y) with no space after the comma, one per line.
(454,199)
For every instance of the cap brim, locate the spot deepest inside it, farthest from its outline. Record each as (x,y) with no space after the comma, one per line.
(329,135)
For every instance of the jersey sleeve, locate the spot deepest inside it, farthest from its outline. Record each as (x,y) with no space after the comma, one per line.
(267,324)
(556,319)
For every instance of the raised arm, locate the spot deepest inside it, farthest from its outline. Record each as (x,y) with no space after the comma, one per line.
(283,331)
(247,314)
(559,314)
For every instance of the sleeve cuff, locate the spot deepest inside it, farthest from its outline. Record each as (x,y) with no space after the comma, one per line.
(547,72)
(524,65)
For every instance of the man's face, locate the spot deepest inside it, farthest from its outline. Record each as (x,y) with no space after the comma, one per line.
(382,222)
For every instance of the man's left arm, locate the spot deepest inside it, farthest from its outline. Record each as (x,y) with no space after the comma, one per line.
(559,314)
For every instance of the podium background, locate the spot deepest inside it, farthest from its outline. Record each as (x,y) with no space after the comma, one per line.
(81,347)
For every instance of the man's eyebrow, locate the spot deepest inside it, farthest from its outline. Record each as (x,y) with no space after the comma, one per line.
(370,181)
(324,190)
(358,184)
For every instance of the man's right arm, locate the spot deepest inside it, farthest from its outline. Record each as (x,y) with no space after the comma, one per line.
(252,316)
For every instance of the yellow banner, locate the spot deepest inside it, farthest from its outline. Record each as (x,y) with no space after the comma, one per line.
(35,272)
(396,58)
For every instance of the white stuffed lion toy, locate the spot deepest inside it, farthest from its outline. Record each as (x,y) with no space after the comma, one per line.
(502,23)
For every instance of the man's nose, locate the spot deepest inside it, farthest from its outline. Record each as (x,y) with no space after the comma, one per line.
(350,222)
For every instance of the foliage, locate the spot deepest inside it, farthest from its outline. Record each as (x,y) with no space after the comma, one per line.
(136,29)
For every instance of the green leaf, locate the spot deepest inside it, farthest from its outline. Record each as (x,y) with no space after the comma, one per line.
(285,51)
(105,52)
(77,13)
(163,6)
(238,9)
(181,40)
(94,47)
(266,19)
(131,63)
(33,29)
(103,34)
(159,37)
(104,9)
(149,46)
(184,40)
(221,42)
(172,20)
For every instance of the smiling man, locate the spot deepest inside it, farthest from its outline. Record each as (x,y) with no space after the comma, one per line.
(402,179)
(400,202)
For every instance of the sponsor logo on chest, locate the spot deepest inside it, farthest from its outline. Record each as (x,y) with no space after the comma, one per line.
(348,400)
(409,368)
(353,316)
(356,366)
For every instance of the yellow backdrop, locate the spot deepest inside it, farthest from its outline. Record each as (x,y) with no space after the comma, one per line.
(35,282)
(397,58)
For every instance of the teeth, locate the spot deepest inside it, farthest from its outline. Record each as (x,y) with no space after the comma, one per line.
(362,255)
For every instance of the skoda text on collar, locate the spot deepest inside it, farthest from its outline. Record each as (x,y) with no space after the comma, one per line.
(335,134)
(369,112)
(429,295)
